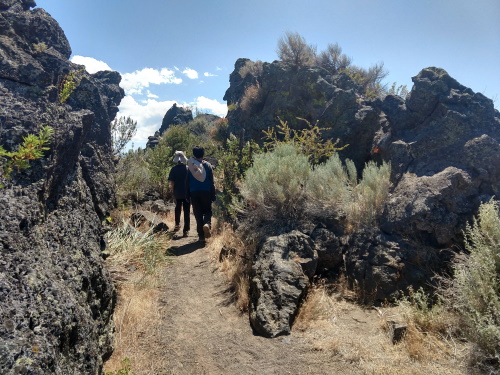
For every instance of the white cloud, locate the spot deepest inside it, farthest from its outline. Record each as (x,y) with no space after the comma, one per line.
(91,65)
(134,83)
(190,73)
(218,68)
(212,105)
(207,74)
(151,95)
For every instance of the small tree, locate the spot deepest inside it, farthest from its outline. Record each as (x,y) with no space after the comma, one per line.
(177,137)
(333,60)
(370,80)
(123,130)
(293,50)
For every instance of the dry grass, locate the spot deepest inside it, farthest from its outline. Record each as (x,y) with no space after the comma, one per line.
(136,262)
(234,263)
(136,318)
(361,336)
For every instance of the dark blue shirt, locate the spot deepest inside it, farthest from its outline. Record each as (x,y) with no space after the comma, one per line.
(178,177)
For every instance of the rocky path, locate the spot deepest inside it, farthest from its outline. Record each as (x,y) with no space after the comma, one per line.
(202,332)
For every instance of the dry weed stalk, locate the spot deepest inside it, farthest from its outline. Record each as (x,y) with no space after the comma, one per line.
(234,259)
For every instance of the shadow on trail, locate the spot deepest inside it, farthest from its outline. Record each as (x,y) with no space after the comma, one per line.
(185,249)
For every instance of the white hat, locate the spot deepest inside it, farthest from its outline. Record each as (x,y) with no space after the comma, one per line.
(179,157)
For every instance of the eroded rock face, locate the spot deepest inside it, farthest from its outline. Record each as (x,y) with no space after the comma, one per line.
(311,93)
(175,116)
(282,272)
(443,144)
(56,297)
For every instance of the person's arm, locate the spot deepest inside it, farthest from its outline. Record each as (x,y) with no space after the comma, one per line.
(187,187)
(210,175)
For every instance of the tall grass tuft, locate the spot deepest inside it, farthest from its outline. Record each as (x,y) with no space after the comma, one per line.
(129,247)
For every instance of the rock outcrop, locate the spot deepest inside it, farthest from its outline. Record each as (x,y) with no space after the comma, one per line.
(442,140)
(175,116)
(281,274)
(443,144)
(255,102)
(56,296)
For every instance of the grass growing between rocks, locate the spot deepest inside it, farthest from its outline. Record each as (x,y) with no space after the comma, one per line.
(336,324)
(235,263)
(136,262)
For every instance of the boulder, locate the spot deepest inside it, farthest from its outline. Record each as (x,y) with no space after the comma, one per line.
(443,145)
(283,268)
(149,219)
(56,295)
(175,116)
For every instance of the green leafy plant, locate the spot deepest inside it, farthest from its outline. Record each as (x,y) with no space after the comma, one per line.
(309,141)
(32,148)
(158,160)
(234,160)
(40,47)
(69,84)
(124,370)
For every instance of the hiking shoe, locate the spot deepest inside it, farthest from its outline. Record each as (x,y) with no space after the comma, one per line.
(201,240)
(206,231)
(185,234)
(177,227)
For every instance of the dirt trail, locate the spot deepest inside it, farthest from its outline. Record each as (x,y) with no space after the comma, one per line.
(202,332)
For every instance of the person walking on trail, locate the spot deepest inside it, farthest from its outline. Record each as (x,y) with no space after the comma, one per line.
(177,178)
(201,191)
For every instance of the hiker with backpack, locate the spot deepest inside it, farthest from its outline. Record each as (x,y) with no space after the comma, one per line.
(200,189)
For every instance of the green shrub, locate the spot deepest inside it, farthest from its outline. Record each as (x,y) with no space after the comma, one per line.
(401,90)
(308,141)
(337,186)
(234,160)
(40,47)
(369,195)
(159,161)
(370,80)
(476,284)
(275,184)
(32,148)
(333,60)
(133,177)
(125,369)
(69,84)
(293,50)
(178,138)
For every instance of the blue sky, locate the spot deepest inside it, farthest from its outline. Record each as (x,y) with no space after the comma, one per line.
(183,51)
